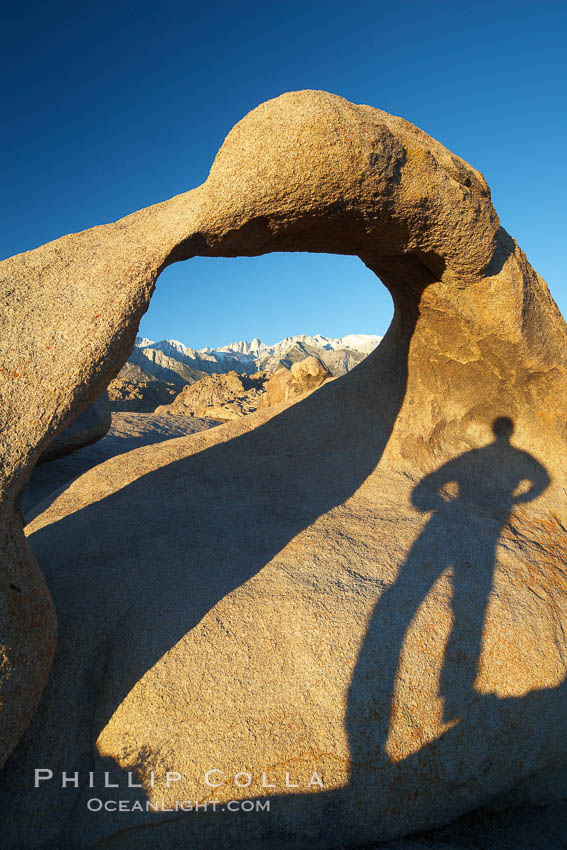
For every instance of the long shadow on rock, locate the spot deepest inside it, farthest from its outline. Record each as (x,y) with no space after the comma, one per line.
(446,778)
(179,539)
(471,498)
(495,743)
(48,480)
(493,739)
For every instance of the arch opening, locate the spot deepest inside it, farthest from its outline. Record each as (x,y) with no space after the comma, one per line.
(211,303)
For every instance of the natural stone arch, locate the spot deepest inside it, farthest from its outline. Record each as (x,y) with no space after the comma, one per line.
(307,171)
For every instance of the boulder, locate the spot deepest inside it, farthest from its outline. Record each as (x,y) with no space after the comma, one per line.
(91,425)
(354,607)
(232,395)
(287,384)
(223,397)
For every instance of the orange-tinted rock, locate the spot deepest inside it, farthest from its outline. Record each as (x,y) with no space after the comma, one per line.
(369,585)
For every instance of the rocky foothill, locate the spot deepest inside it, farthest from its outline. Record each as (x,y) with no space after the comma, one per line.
(137,391)
(231,396)
(227,396)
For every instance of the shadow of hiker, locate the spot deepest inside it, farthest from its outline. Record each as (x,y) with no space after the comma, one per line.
(471,497)
(155,576)
(177,562)
(456,772)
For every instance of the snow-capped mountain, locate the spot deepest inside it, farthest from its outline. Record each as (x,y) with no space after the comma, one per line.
(247,348)
(143,342)
(173,361)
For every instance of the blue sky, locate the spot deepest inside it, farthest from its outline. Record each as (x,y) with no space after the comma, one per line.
(110,106)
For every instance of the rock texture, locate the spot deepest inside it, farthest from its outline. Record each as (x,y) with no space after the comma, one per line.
(127,395)
(128,431)
(369,584)
(289,384)
(142,390)
(168,363)
(91,425)
(220,397)
(231,396)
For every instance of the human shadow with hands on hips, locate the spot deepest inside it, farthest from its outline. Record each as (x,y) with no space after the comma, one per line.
(471,498)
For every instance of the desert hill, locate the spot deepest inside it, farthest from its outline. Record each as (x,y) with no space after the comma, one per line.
(231,396)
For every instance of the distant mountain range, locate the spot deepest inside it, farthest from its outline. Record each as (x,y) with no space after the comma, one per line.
(171,361)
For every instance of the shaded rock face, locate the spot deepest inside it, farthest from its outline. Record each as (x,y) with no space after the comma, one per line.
(128,431)
(136,391)
(341,361)
(369,584)
(171,370)
(91,425)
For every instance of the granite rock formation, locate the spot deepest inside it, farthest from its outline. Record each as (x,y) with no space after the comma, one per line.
(139,396)
(368,586)
(168,365)
(222,397)
(288,384)
(142,390)
(230,396)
